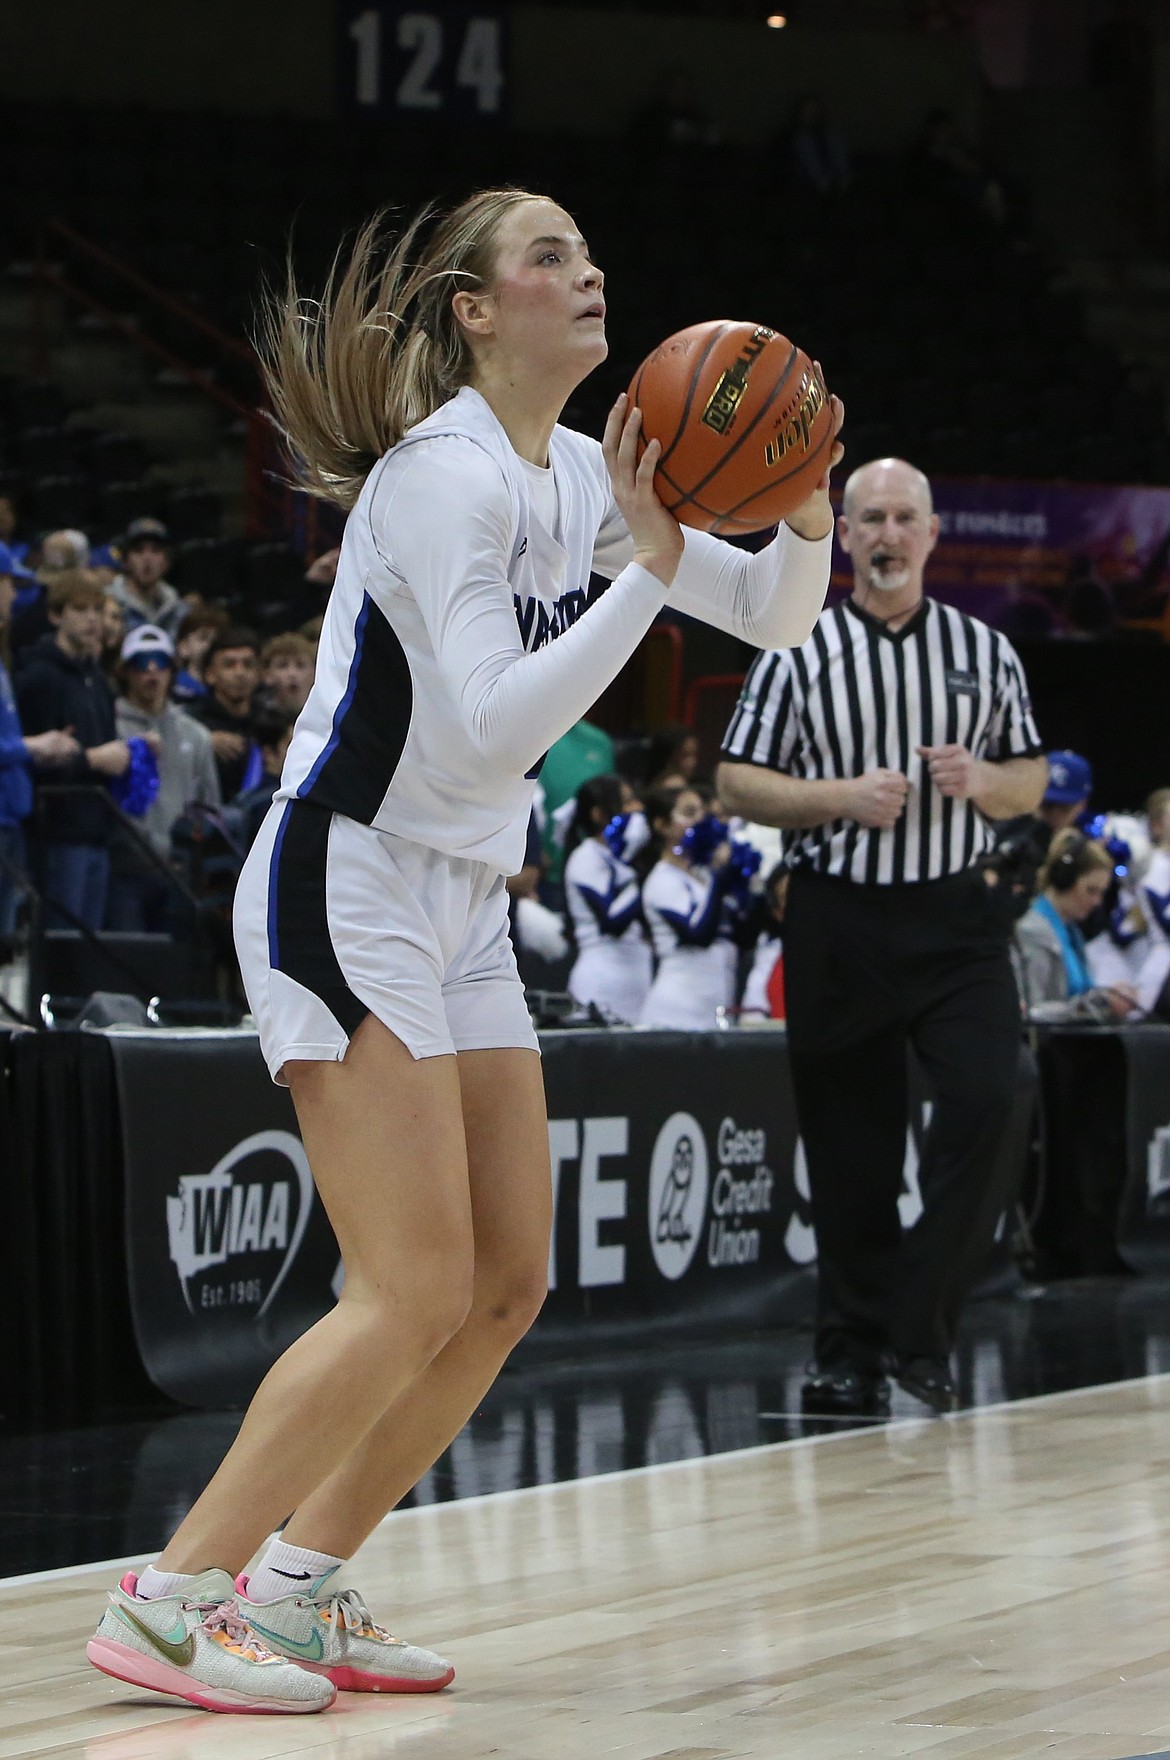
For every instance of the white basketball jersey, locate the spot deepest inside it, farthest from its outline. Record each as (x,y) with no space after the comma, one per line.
(463,637)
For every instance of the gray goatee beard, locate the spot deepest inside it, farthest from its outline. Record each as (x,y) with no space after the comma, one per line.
(888,580)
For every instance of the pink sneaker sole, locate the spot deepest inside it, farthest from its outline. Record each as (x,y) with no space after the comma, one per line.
(125,1664)
(355,1680)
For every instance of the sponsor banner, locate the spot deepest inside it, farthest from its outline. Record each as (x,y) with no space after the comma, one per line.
(229,1253)
(674,1178)
(1144,1219)
(680,1197)
(1001,541)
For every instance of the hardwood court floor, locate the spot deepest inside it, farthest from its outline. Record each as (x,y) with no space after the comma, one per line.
(996,1585)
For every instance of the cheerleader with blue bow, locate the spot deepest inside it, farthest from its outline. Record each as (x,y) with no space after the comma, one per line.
(613,968)
(696,899)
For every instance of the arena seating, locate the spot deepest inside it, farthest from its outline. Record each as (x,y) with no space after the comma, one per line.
(948,337)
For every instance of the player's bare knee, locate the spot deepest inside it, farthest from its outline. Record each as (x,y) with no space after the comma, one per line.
(440,1306)
(510,1300)
(411,1315)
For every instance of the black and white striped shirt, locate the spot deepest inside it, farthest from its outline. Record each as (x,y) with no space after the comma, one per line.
(858,696)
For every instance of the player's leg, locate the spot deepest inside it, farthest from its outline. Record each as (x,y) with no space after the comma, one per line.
(511,1203)
(369,1124)
(510,1196)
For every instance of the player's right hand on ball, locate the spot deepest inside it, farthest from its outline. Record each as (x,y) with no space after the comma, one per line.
(878,799)
(657,535)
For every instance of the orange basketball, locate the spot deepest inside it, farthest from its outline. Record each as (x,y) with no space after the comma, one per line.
(745,423)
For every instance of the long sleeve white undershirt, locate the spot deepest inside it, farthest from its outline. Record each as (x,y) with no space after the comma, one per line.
(771,599)
(443,525)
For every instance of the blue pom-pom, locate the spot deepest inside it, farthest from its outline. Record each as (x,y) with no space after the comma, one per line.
(137,788)
(699,842)
(615,834)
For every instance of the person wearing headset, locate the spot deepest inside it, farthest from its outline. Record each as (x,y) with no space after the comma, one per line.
(1049,954)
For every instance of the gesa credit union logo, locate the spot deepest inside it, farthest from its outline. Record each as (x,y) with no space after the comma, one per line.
(679,1183)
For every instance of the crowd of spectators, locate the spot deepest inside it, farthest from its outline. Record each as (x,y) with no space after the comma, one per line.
(142,733)
(143,721)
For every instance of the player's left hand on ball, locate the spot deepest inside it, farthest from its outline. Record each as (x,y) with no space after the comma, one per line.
(838,450)
(952,770)
(814,517)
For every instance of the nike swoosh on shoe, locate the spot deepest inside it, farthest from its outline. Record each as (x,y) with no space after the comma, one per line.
(179,1651)
(313,1651)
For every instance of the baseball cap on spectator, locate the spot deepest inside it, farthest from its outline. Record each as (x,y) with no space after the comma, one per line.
(13,567)
(141,531)
(147,642)
(1070,778)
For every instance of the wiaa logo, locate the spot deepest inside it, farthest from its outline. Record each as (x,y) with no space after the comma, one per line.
(679,1184)
(254,1205)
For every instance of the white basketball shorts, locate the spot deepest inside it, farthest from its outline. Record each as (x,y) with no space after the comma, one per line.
(334,920)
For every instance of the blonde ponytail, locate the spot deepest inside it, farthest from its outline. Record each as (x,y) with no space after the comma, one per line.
(348,374)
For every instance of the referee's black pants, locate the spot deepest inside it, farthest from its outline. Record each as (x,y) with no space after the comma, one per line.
(869,970)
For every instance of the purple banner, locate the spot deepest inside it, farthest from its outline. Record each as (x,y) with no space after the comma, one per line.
(1068,556)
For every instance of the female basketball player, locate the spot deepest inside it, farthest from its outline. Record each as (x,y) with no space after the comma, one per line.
(371,916)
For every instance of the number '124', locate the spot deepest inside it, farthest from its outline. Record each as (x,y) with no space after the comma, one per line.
(444,61)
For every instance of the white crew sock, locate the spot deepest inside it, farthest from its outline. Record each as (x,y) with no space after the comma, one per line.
(155,1585)
(290,1570)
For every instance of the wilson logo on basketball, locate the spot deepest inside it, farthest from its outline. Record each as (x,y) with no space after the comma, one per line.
(796,430)
(255,1222)
(725,400)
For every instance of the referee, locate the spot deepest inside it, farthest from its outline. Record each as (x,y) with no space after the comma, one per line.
(883,748)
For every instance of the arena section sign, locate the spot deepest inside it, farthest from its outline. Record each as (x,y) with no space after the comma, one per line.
(423,62)
(679,1185)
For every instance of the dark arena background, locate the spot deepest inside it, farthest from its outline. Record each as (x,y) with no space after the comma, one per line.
(649,1540)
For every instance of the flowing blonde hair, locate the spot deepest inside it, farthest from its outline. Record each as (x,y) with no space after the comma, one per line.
(349,373)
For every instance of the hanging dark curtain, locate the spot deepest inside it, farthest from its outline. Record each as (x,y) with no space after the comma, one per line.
(70,1355)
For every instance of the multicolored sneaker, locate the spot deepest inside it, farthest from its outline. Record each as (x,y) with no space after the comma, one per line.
(197,1647)
(331,1633)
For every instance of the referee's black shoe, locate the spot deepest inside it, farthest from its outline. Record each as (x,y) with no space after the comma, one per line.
(929,1379)
(844,1391)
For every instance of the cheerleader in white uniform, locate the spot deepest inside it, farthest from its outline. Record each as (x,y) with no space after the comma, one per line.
(1153,981)
(693,904)
(614,966)
(496,572)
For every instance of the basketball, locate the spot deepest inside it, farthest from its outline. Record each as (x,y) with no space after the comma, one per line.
(744,421)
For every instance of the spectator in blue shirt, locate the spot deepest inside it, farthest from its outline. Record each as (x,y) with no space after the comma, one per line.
(18,755)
